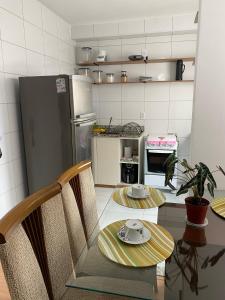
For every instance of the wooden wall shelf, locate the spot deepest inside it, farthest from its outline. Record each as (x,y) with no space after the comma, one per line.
(130,62)
(152,81)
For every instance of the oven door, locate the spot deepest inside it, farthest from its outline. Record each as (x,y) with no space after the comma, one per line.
(155,161)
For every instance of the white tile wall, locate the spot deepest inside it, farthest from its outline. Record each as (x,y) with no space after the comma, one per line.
(24,26)
(107,29)
(83,31)
(159,24)
(155,25)
(167,106)
(12,28)
(132,27)
(14,6)
(184,23)
(132,110)
(32,12)
(34,38)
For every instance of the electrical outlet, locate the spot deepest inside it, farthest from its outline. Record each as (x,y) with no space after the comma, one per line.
(142,115)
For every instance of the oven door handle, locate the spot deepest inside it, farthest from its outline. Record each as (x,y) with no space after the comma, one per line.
(161,151)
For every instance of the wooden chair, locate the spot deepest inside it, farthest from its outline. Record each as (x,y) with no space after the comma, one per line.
(23,267)
(80,179)
(40,273)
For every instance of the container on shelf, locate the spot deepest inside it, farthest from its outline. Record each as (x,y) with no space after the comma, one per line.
(127,152)
(86,55)
(101,56)
(97,76)
(110,77)
(84,71)
(123,76)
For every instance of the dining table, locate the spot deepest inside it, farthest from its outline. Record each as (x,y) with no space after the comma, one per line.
(194,270)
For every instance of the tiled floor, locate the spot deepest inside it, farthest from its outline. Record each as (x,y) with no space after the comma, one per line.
(114,211)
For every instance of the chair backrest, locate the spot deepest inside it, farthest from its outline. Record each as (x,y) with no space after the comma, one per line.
(81,181)
(59,258)
(22,251)
(74,224)
(43,220)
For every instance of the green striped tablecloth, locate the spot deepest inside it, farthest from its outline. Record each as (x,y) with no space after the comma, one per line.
(157,249)
(155,199)
(218,205)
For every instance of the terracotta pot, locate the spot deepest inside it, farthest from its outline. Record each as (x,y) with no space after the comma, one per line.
(196,213)
(194,236)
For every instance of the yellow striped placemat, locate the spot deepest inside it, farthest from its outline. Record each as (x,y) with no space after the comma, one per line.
(218,205)
(155,199)
(157,249)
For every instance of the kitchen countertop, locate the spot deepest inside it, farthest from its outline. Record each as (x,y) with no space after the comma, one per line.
(118,131)
(121,136)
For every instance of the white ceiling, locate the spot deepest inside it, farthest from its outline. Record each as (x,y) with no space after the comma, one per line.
(97,11)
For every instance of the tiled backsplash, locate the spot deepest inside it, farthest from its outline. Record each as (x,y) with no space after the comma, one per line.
(34,41)
(167,107)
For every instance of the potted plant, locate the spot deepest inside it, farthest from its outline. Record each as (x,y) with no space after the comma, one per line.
(193,178)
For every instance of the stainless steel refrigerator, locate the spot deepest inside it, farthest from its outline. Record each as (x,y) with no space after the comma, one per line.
(57,118)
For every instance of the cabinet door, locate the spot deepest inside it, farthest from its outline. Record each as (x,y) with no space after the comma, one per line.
(108,161)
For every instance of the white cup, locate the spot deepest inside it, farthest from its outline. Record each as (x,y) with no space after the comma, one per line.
(133,230)
(127,152)
(102,53)
(138,190)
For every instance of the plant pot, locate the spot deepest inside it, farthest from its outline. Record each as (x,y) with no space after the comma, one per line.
(196,212)
(194,236)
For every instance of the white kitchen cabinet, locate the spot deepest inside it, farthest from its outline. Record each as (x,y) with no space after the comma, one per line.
(109,161)
(106,160)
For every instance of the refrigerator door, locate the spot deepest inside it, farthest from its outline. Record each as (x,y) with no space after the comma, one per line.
(45,107)
(82,136)
(81,97)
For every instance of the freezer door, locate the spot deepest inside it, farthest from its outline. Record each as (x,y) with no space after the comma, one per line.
(82,135)
(80,96)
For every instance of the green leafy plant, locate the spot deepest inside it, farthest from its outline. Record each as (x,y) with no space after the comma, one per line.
(192,177)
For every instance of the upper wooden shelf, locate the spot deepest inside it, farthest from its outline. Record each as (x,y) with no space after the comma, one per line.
(131,62)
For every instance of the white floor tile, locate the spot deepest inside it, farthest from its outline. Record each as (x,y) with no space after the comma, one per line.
(114,212)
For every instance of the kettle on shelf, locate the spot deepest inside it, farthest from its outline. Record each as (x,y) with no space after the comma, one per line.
(180,67)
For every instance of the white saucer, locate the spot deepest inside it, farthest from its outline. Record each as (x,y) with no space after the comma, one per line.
(197,225)
(143,238)
(129,194)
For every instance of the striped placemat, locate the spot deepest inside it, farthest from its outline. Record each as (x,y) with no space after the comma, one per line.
(218,205)
(157,249)
(155,199)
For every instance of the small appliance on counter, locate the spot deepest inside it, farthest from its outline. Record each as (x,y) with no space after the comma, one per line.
(129,173)
(156,150)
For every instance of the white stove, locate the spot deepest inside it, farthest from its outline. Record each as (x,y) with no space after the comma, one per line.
(157,150)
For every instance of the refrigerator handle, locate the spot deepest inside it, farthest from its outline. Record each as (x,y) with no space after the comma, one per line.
(85,116)
(85,124)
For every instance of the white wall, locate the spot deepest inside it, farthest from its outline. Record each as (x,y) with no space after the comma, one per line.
(156,25)
(208,130)
(167,106)
(34,41)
